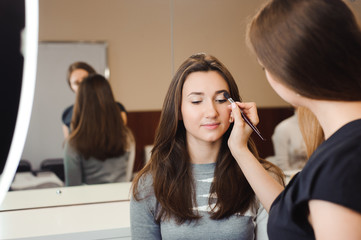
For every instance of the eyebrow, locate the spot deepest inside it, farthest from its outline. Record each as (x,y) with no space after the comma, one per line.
(221,91)
(195,93)
(201,93)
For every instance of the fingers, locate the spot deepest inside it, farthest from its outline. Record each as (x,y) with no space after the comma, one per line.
(248,108)
(241,132)
(236,113)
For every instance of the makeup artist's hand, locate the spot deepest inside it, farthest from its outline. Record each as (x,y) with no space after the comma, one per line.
(241,132)
(266,187)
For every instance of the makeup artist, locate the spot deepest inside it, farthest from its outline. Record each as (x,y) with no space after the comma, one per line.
(77,71)
(311,54)
(192,187)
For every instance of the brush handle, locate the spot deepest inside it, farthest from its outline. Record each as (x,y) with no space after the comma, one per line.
(228,97)
(252,126)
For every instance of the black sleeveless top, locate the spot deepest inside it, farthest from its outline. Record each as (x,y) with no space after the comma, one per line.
(333,174)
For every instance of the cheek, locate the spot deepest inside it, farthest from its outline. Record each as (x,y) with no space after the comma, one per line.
(74,87)
(225,112)
(270,81)
(224,116)
(276,86)
(285,93)
(188,116)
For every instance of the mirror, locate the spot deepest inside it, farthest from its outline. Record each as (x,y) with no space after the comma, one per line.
(19,53)
(45,138)
(148,40)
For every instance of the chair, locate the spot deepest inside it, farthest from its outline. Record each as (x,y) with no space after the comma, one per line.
(55,165)
(131,159)
(24,166)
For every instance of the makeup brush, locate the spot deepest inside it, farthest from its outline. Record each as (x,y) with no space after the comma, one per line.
(226,95)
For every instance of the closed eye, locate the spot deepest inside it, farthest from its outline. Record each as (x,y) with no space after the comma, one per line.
(196,102)
(221,100)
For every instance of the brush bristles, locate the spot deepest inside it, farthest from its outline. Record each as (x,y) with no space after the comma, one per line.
(226,95)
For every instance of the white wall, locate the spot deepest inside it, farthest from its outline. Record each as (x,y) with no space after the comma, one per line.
(52,95)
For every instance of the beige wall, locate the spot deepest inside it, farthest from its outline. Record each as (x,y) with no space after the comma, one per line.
(219,27)
(149,39)
(138,36)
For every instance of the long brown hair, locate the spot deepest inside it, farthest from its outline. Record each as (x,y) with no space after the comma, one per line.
(97,127)
(170,166)
(311,46)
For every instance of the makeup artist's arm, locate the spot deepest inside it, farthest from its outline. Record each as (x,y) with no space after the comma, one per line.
(262,183)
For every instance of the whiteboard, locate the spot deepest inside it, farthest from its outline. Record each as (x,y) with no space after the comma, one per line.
(52,95)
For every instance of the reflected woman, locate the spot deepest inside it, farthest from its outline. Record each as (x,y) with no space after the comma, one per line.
(97,148)
(192,188)
(77,71)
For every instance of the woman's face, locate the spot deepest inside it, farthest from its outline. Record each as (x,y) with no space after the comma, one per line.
(76,78)
(204,109)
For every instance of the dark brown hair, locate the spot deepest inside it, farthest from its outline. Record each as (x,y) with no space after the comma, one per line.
(312,46)
(97,127)
(170,166)
(78,65)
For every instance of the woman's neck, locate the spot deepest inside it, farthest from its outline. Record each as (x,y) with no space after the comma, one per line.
(202,153)
(332,115)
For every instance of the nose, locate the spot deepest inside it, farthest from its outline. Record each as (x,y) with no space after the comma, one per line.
(211,110)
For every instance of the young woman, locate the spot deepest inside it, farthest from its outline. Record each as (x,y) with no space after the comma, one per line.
(77,71)
(311,53)
(192,187)
(97,150)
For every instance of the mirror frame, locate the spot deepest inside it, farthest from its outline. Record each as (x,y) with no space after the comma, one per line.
(30,52)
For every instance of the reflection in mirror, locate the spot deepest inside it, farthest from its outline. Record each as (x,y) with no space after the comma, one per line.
(98,147)
(45,140)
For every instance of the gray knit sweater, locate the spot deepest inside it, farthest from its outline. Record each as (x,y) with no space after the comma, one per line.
(251,225)
(80,171)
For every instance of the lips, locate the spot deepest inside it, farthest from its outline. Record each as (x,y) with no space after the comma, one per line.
(211,125)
